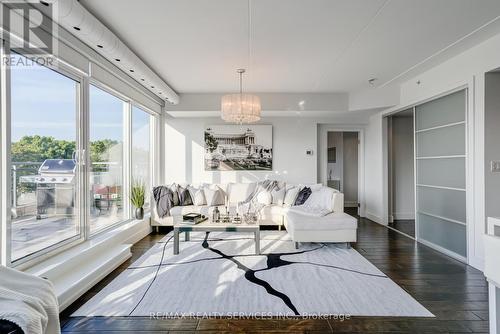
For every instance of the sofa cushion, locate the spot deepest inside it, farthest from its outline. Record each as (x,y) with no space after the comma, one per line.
(214,197)
(278,195)
(330,222)
(273,209)
(264,197)
(183,210)
(239,192)
(290,196)
(197,195)
(201,209)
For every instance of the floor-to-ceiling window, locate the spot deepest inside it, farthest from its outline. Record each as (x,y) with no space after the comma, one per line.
(43,143)
(71,157)
(141,150)
(107,131)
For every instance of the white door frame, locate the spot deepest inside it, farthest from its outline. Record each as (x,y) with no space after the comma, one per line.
(323,158)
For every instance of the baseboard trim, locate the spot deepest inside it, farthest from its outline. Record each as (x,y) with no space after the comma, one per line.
(403,216)
(443,250)
(375,218)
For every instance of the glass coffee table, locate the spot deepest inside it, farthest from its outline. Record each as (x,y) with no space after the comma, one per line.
(209,226)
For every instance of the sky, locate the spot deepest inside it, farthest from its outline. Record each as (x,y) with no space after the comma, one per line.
(44,103)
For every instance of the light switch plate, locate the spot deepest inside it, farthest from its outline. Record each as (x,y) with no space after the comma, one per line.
(495,166)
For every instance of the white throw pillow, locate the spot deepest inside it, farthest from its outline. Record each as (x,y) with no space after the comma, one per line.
(291,196)
(320,200)
(197,195)
(278,196)
(264,197)
(214,197)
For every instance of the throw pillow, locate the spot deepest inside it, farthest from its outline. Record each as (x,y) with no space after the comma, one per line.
(303,195)
(197,195)
(214,197)
(321,200)
(290,196)
(184,196)
(175,194)
(278,196)
(264,197)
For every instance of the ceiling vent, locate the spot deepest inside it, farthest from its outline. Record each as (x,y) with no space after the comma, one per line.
(81,23)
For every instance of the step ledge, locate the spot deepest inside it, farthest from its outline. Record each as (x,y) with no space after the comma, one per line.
(73,256)
(71,286)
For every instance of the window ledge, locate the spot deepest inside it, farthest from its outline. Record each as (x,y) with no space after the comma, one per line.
(77,269)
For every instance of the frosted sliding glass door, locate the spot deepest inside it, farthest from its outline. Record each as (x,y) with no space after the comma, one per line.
(440,136)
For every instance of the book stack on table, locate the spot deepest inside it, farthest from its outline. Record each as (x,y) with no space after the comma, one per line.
(193,218)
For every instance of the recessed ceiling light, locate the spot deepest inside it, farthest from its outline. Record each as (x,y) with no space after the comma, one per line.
(142,79)
(372,81)
(152,86)
(131,71)
(117,59)
(100,46)
(76,28)
(45,3)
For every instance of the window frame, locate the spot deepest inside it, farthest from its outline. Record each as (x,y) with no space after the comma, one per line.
(6,141)
(84,82)
(125,158)
(152,145)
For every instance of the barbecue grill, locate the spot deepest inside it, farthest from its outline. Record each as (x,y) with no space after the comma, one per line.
(55,188)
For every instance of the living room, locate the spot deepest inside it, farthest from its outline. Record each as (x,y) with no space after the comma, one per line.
(169,166)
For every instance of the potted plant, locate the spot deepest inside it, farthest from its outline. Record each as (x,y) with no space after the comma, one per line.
(137,196)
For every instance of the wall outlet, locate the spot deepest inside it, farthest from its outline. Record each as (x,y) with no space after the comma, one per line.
(495,166)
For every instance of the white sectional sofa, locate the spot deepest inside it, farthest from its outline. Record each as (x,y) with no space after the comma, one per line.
(335,226)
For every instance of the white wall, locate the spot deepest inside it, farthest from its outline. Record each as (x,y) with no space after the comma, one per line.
(184,152)
(492,143)
(350,168)
(374,203)
(403,192)
(465,70)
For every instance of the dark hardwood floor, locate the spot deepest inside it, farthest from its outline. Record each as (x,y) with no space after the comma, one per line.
(406,226)
(454,292)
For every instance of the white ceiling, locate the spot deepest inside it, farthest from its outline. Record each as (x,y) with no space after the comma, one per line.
(296,45)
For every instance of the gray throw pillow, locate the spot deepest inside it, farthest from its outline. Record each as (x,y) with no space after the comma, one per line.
(184,196)
(214,196)
(303,196)
(175,194)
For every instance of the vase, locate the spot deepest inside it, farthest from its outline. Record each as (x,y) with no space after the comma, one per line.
(139,213)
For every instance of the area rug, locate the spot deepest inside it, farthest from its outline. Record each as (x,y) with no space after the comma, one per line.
(218,274)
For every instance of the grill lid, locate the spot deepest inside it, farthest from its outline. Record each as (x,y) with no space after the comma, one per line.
(57,166)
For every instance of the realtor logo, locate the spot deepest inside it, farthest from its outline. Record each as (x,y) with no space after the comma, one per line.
(28,29)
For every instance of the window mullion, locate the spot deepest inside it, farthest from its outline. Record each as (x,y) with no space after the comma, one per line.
(5,166)
(85,161)
(127,158)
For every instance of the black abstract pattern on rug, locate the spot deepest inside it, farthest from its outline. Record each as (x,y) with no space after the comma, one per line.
(274,260)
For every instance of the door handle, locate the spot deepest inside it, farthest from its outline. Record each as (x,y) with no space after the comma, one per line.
(84,157)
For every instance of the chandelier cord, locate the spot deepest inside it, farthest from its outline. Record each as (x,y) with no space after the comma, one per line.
(241,83)
(249,21)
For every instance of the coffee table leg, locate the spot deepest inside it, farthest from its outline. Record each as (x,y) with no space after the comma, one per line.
(257,242)
(186,235)
(176,241)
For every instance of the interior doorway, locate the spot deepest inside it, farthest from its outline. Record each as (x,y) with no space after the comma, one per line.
(401,169)
(342,168)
